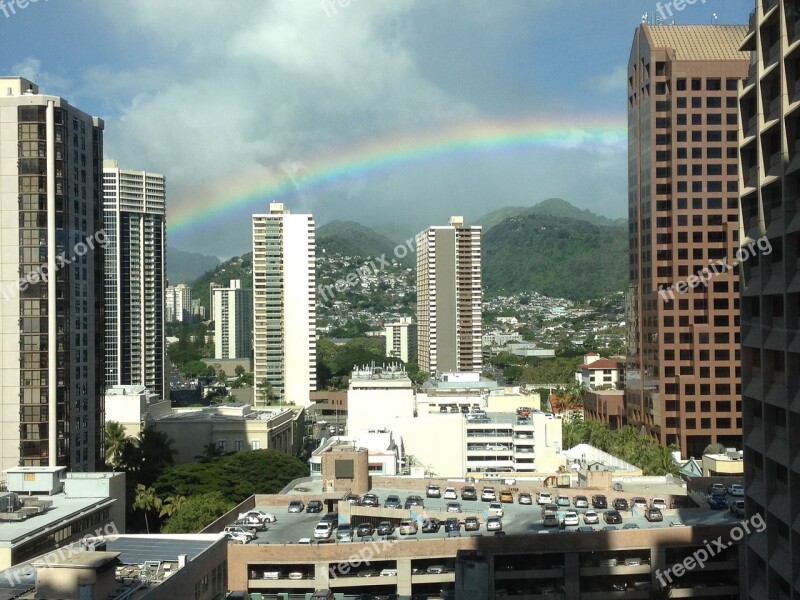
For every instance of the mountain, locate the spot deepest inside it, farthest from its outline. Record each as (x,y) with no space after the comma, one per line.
(238,267)
(554,207)
(185,267)
(555,255)
(353,239)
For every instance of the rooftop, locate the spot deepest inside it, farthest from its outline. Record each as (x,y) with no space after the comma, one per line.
(700,42)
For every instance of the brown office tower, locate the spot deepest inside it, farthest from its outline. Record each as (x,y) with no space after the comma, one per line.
(683,380)
(770,251)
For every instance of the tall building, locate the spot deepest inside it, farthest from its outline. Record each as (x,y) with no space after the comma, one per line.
(683,380)
(134,210)
(284,305)
(401,339)
(770,258)
(233,321)
(51,302)
(178,302)
(211,287)
(449,297)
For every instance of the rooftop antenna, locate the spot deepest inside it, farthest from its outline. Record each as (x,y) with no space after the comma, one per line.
(644,17)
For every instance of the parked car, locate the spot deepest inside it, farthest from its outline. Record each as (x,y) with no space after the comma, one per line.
(494,524)
(332,518)
(258,515)
(580,502)
(431,525)
(433,491)
(716,487)
(735,489)
(314,506)
(612,517)
(365,530)
(495,509)
(639,503)
(323,530)
(452,524)
(295,575)
(469,493)
(563,501)
(407,527)
(620,504)
(717,502)
(472,524)
(599,501)
(659,503)
(251,525)
(630,526)
(296,506)
(571,518)
(413,501)
(237,531)
(454,507)
(590,517)
(506,496)
(737,508)
(388,573)
(392,501)
(385,528)
(488,495)
(653,514)
(370,500)
(543,498)
(525,498)
(436,570)
(450,494)
(344,533)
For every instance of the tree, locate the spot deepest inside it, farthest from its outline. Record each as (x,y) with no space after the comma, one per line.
(197,512)
(114,441)
(157,454)
(266,393)
(714,449)
(147,501)
(210,452)
(222,376)
(239,371)
(171,505)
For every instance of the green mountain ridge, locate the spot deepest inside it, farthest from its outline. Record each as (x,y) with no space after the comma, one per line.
(238,267)
(554,207)
(185,267)
(353,239)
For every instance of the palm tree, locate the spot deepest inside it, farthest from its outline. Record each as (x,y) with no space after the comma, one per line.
(157,453)
(171,505)
(210,452)
(147,501)
(130,456)
(114,441)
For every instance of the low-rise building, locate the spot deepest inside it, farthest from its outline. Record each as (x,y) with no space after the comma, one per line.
(132,405)
(605,406)
(384,454)
(378,394)
(401,339)
(597,372)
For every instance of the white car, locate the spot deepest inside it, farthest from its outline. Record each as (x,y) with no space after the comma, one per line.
(258,516)
(239,531)
(735,489)
(494,524)
(495,509)
(570,518)
(323,530)
(543,498)
(488,494)
(590,517)
(450,494)
(389,573)
(659,503)
(296,575)
(454,507)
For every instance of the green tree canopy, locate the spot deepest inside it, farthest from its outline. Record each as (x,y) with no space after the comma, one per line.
(197,512)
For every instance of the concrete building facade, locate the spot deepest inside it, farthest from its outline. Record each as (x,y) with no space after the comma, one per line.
(401,339)
(683,380)
(134,218)
(51,306)
(233,321)
(449,297)
(284,304)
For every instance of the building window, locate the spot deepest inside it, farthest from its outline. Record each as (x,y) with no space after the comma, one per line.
(255,445)
(238,445)
(222,445)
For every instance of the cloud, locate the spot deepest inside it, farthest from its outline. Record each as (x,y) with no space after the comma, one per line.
(611,83)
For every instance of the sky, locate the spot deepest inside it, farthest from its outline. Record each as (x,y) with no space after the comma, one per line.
(393,113)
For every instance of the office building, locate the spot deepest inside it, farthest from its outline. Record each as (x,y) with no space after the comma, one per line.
(770,256)
(51,302)
(233,321)
(284,306)
(134,210)
(449,297)
(401,339)
(683,380)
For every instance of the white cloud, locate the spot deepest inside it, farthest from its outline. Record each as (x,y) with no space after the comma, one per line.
(610,83)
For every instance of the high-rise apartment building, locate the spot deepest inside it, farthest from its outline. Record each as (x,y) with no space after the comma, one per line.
(211,287)
(51,266)
(178,302)
(449,297)
(233,321)
(134,210)
(770,256)
(401,339)
(683,380)
(284,305)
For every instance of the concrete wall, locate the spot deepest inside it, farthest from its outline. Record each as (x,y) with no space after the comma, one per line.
(201,569)
(438,444)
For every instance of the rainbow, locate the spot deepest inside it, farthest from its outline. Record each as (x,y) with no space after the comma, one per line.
(255,190)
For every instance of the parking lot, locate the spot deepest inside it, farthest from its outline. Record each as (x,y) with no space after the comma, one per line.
(517,519)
